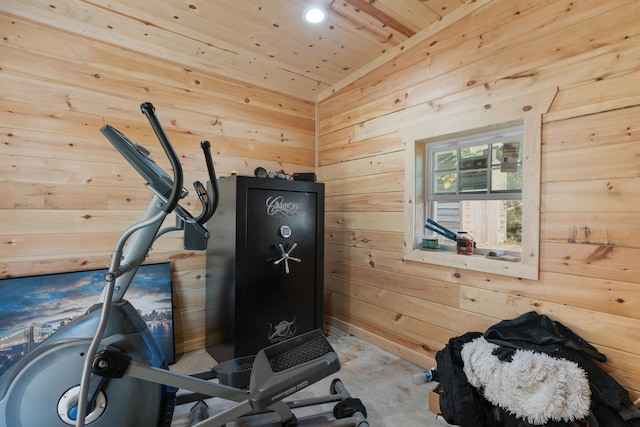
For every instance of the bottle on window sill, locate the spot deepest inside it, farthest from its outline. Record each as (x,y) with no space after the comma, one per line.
(464,243)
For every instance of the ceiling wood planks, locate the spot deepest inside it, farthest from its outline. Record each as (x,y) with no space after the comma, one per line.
(261,43)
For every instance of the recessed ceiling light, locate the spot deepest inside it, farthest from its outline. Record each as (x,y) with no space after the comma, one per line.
(314,15)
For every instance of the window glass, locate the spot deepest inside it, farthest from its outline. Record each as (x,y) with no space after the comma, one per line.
(474,185)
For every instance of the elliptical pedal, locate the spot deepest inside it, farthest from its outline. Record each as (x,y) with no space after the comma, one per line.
(303,353)
(289,366)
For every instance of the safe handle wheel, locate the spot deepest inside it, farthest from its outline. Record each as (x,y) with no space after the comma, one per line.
(286,256)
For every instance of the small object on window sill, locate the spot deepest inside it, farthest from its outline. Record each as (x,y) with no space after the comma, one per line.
(430,244)
(464,244)
(443,231)
(502,255)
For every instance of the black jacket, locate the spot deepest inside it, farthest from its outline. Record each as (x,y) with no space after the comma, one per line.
(462,404)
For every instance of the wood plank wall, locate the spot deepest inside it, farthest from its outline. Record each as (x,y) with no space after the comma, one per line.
(590,190)
(67,194)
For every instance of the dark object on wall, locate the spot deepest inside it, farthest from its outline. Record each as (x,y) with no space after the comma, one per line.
(264,264)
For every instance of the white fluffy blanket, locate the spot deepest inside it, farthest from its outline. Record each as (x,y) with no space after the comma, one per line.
(533,386)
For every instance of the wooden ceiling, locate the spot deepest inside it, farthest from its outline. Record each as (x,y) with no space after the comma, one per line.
(262,42)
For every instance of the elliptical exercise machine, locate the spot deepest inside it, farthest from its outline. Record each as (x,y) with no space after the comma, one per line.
(105,369)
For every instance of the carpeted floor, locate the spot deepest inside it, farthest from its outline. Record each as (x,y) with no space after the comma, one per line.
(383,381)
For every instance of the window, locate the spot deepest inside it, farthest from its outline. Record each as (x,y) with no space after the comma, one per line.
(474,165)
(474,185)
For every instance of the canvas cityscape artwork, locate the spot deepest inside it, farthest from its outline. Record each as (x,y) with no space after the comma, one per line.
(32,308)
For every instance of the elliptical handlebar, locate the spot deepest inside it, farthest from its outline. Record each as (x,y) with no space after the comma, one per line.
(176,191)
(209,208)
(168,188)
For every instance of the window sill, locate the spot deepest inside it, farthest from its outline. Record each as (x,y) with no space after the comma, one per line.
(521,269)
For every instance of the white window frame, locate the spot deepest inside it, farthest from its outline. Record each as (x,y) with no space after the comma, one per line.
(466,117)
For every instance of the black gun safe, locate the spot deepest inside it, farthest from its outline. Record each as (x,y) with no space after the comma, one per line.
(264,280)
